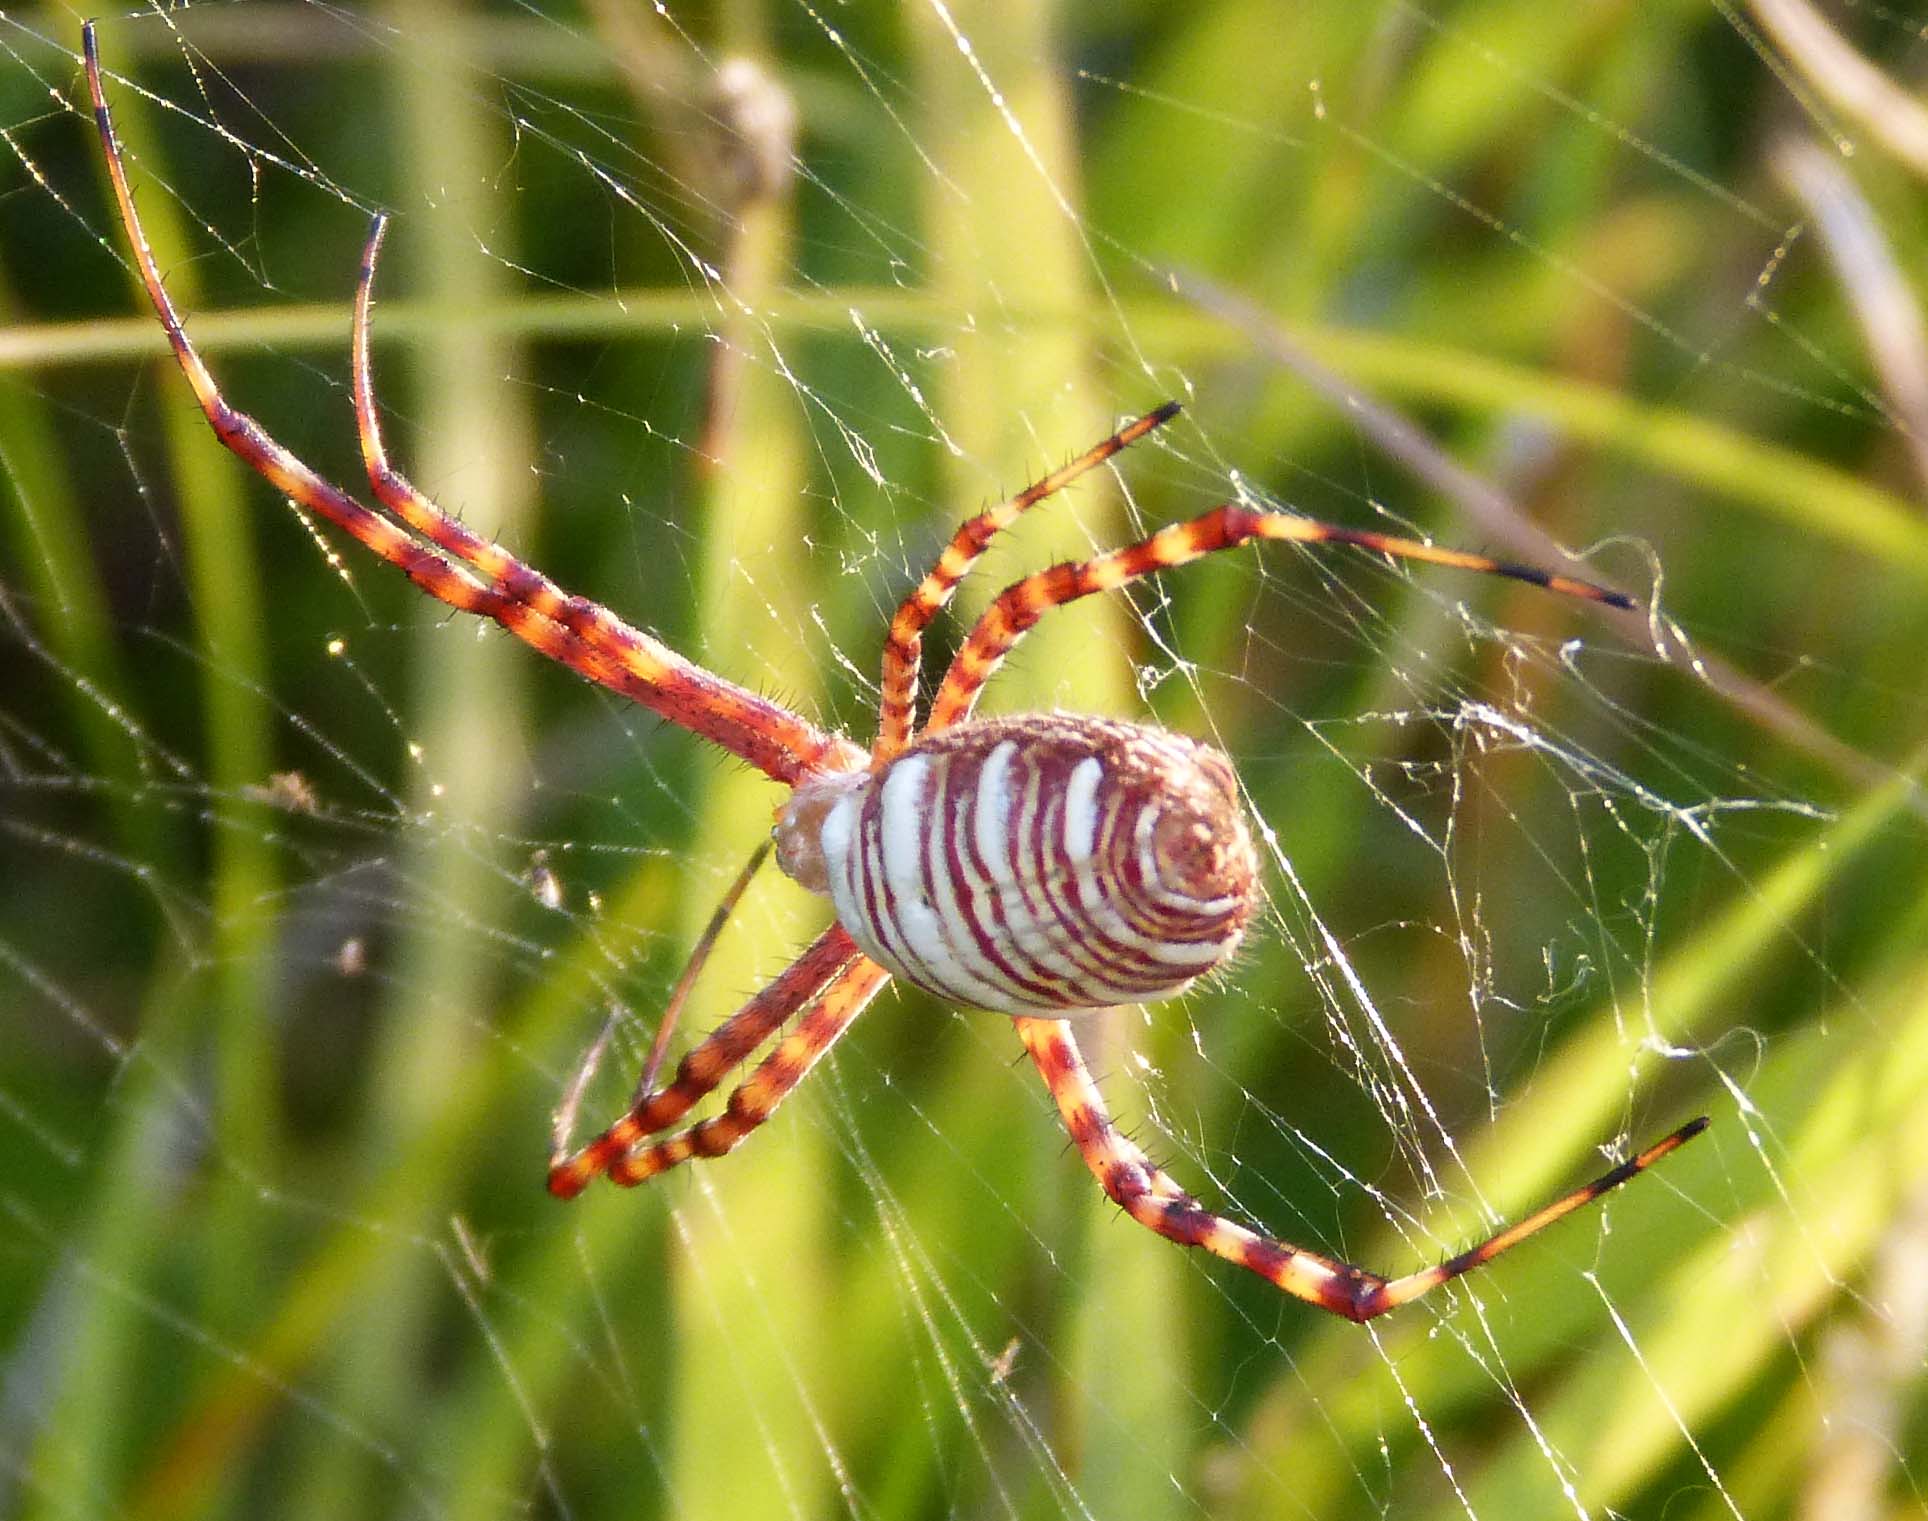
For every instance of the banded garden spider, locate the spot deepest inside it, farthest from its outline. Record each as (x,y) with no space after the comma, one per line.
(1037,865)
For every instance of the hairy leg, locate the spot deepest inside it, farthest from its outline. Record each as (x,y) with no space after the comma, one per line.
(1150,1197)
(708,1064)
(1018,608)
(569,630)
(779,1072)
(904,644)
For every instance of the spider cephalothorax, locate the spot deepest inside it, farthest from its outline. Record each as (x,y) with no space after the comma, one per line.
(1034,865)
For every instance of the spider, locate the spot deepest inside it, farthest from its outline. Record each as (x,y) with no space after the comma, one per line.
(1039,865)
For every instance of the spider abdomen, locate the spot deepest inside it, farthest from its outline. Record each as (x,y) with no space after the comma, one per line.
(1037,864)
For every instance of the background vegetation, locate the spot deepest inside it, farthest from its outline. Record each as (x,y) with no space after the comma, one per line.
(311,896)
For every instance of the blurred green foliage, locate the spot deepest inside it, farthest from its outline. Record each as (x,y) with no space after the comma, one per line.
(280,1055)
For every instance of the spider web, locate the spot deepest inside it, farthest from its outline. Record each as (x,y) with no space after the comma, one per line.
(316,895)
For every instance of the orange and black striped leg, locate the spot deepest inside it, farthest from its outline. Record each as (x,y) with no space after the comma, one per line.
(1148,1194)
(904,644)
(781,744)
(1389,1296)
(590,621)
(1151,1198)
(779,1072)
(395,491)
(699,953)
(1021,605)
(709,1063)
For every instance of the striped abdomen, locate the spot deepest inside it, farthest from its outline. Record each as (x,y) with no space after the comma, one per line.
(1034,865)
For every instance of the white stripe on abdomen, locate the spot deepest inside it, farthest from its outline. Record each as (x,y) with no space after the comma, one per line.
(1043,864)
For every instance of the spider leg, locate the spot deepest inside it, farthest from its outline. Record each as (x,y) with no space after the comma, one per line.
(904,643)
(395,491)
(846,996)
(699,953)
(1151,1198)
(777,742)
(1021,605)
(707,1064)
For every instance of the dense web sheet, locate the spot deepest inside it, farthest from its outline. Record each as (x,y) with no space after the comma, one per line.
(313,895)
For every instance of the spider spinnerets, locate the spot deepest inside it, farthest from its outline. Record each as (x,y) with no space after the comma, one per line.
(1036,865)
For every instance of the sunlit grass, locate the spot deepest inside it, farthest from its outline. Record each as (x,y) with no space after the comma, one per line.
(311,1195)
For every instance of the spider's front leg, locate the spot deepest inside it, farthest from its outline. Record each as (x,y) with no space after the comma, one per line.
(706,1066)
(1151,1198)
(835,1010)
(465,570)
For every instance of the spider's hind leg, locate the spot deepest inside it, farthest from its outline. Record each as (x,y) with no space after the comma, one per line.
(904,643)
(1151,1198)
(1017,609)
